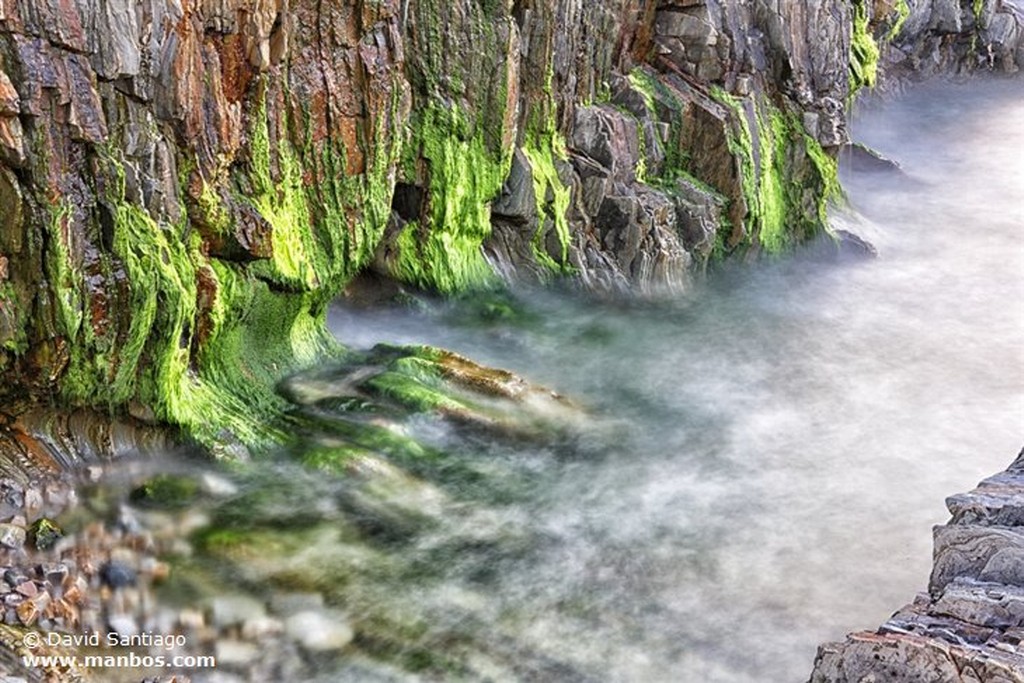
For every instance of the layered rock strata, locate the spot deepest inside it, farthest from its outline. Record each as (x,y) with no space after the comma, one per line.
(184,186)
(970,624)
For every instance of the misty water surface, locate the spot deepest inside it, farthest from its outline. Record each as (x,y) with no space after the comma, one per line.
(771,452)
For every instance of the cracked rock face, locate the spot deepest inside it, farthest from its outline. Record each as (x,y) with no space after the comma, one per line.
(970,625)
(169,170)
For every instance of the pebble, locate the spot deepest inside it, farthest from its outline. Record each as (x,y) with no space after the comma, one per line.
(12,536)
(232,610)
(33,503)
(125,624)
(191,619)
(28,589)
(261,627)
(318,631)
(218,486)
(117,574)
(235,652)
(15,576)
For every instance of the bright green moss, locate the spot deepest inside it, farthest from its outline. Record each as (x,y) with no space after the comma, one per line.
(412,393)
(44,533)
(13,337)
(464,176)
(323,233)
(773,202)
(661,103)
(542,150)
(282,202)
(778,212)
(864,53)
(214,213)
(205,341)
(350,439)
(646,85)
(333,459)
(255,335)
(460,143)
(741,146)
(198,342)
(65,280)
(828,172)
(902,11)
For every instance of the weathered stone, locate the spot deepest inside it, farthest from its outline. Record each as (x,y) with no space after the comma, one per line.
(866,160)
(12,536)
(11,216)
(319,631)
(969,628)
(595,182)
(698,215)
(997,501)
(9,101)
(118,574)
(965,550)
(1006,566)
(905,658)
(984,604)
(517,201)
(231,610)
(609,138)
(850,246)
(12,143)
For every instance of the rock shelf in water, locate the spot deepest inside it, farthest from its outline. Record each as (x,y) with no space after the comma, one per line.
(969,626)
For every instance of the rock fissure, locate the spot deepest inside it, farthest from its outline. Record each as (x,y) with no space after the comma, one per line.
(174,173)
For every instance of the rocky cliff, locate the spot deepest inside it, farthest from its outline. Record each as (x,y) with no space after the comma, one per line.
(970,624)
(185,185)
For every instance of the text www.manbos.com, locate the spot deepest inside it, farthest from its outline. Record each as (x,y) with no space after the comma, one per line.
(127,661)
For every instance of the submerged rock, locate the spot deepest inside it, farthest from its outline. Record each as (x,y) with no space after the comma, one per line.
(369,391)
(319,631)
(234,610)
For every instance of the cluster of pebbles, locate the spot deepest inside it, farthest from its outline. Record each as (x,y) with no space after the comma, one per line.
(100,574)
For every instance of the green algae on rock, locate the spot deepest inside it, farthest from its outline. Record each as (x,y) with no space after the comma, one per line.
(183,202)
(399,380)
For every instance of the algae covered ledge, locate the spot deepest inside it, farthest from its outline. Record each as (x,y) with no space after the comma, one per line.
(181,206)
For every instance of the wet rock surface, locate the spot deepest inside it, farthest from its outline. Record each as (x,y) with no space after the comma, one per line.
(276,569)
(970,624)
(271,151)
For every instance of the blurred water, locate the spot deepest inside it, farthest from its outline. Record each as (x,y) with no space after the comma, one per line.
(771,452)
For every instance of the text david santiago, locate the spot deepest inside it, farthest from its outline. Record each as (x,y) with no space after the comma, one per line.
(144,639)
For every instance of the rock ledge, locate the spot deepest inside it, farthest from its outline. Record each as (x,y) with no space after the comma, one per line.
(970,624)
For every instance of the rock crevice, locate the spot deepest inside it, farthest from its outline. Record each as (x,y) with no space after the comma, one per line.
(186,185)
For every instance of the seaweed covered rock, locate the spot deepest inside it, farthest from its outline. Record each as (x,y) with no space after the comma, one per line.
(186,185)
(183,194)
(393,381)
